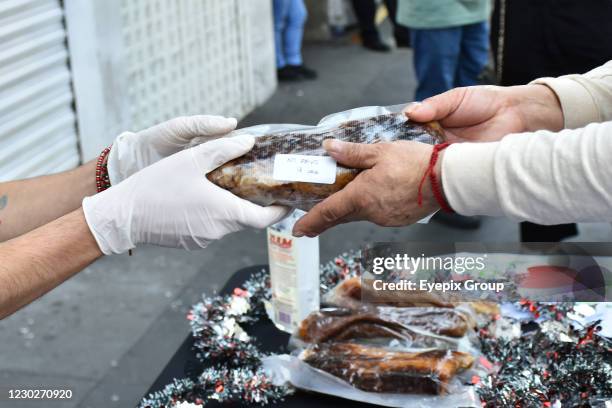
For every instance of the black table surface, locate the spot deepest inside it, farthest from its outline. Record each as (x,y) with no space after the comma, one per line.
(185,364)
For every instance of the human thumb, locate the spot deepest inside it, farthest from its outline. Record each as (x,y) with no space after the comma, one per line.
(421,111)
(215,153)
(355,155)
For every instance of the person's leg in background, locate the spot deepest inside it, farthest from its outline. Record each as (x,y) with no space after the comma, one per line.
(436,56)
(293,36)
(281,9)
(400,32)
(365,11)
(294,31)
(474,54)
(473,59)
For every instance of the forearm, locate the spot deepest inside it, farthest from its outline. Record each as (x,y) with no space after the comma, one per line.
(28,204)
(547,178)
(584,98)
(38,261)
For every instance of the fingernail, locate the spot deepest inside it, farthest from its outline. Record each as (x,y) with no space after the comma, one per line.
(298,234)
(332,145)
(413,107)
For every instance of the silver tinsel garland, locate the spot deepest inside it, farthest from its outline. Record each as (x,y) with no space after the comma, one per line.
(550,365)
(215,325)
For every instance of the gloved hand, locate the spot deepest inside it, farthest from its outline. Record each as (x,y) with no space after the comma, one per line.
(171,203)
(132,152)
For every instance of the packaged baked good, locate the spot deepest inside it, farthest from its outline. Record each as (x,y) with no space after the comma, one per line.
(288,165)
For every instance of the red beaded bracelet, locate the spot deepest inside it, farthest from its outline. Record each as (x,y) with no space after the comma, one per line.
(102,178)
(436,188)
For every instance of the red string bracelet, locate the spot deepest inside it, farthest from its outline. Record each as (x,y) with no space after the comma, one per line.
(102,178)
(436,188)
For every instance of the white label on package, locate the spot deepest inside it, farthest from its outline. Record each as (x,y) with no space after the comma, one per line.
(307,169)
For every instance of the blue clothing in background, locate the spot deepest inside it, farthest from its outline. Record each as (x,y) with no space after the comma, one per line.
(289,19)
(446,58)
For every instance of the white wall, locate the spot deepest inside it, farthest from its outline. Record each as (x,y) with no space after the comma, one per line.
(138,62)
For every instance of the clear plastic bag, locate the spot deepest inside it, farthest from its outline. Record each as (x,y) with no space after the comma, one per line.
(284,369)
(383,354)
(354,292)
(258,176)
(404,329)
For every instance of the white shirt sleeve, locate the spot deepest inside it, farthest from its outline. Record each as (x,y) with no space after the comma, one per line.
(542,177)
(584,98)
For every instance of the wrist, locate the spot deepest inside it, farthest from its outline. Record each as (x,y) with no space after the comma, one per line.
(438,173)
(540,108)
(437,185)
(109,218)
(431,191)
(102,177)
(89,246)
(87,180)
(125,157)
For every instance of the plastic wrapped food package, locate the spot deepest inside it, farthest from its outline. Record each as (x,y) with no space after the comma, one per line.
(351,293)
(288,166)
(412,325)
(291,369)
(382,354)
(426,371)
(380,369)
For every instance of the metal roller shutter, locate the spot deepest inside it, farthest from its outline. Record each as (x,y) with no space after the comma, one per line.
(37,120)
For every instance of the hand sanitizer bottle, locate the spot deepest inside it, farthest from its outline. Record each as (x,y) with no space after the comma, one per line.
(294,274)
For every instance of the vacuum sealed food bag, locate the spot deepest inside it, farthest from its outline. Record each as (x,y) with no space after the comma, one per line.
(384,370)
(381,377)
(402,329)
(354,291)
(379,359)
(288,165)
(415,327)
(397,356)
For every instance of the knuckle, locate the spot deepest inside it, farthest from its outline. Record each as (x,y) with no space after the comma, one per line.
(363,153)
(376,149)
(178,125)
(179,121)
(354,151)
(364,201)
(329,214)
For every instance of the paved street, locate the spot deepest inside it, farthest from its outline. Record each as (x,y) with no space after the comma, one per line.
(108,332)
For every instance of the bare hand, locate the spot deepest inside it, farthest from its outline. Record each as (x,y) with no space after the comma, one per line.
(385,192)
(488,113)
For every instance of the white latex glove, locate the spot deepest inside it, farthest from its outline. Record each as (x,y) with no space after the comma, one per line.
(171,203)
(132,152)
